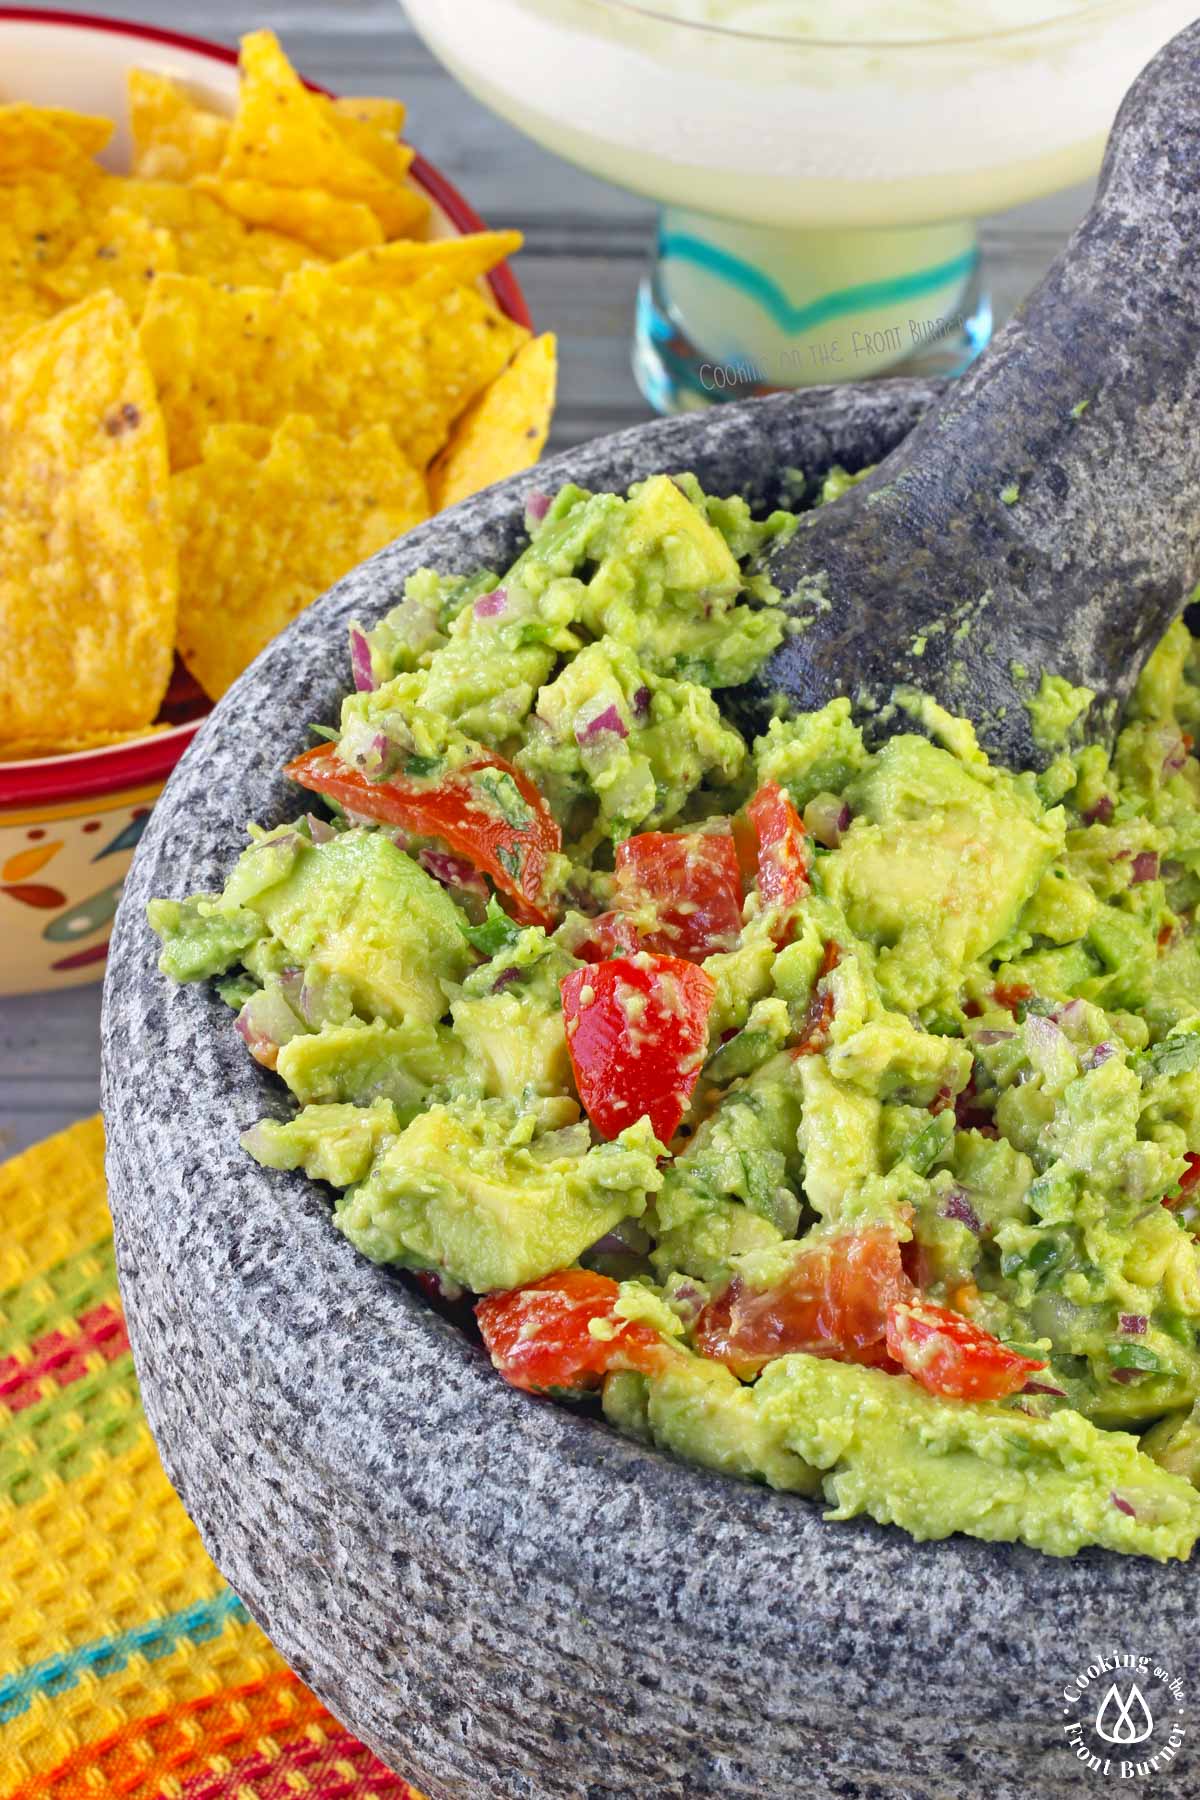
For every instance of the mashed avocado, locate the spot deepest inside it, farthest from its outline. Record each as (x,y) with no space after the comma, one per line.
(830,1114)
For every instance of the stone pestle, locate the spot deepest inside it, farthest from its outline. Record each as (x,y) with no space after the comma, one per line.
(1045,516)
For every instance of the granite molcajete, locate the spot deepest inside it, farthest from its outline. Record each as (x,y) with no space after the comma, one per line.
(504,1599)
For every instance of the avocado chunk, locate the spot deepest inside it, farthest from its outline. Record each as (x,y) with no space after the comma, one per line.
(937,866)
(508,1017)
(697,1409)
(359,1063)
(200,937)
(472,1188)
(359,909)
(892,1450)
(736,1186)
(330,1143)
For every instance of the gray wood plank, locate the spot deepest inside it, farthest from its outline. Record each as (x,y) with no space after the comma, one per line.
(586,245)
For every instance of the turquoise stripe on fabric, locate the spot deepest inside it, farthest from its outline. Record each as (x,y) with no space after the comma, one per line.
(157,1637)
(771,297)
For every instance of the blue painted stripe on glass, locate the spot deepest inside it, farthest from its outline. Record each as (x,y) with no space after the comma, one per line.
(771,297)
(195,1624)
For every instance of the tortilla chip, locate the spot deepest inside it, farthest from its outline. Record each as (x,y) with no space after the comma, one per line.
(123,254)
(25,317)
(87,560)
(41,219)
(32,749)
(377,142)
(325,223)
(504,432)
(385,115)
(174,137)
(48,138)
(348,357)
(260,539)
(208,239)
(282,138)
(438,264)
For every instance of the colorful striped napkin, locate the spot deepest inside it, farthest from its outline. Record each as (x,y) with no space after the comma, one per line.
(127,1667)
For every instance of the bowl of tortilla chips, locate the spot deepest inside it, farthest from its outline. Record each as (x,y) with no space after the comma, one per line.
(247,337)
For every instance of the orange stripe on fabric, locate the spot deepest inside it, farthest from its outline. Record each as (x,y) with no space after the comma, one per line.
(61,1357)
(159,1752)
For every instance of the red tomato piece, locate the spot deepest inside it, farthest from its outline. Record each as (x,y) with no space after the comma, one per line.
(782,855)
(609,934)
(538,1336)
(637,1031)
(694,884)
(1010,994)
(834,1302)
(1187,1181)
(819,1018)
(952,1357)
(502,826)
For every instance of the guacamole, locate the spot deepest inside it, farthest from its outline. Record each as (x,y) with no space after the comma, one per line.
(827,1113)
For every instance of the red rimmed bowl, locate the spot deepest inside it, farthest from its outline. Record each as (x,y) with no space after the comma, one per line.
(69,824)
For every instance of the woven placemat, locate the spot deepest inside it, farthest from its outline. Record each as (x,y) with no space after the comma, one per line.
(127,1666)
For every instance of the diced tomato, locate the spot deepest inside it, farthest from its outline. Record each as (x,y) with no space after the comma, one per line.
(693,882)
(952,1357)
(502,826)
(1187,1181)
(637,1031)
(609,934)
(538,1336)
(677,893)
(814,1036)
(1011,993)
(782,854)
(834,1301)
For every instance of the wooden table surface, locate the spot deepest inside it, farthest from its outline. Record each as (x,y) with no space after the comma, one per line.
(586,243)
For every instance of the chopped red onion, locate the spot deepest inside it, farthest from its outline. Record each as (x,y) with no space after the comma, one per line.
(1044,1387)
(1126,1375)
(957,1206)
(505,978)
(537,505)
(1122,1505)
(320,830)
(360,662)
(641,703)
(437,1286)
(1041,1034)
(1101,813)
(254,1142)
(291,983)
(490,606)
(1176,753)
(452,871)
(827,818)
(1133,1324)
(611,1244)
(1071,1013)
(265,1023)
(1099,1055)
(1145,867)
(608,720)
(993,1037)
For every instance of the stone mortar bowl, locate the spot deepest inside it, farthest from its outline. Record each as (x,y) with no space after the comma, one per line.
(508,1601)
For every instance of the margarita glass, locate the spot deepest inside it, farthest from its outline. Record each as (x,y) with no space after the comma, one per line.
(819,166)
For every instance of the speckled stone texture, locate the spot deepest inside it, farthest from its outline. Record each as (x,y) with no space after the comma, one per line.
(1014,528)
(509,1602)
